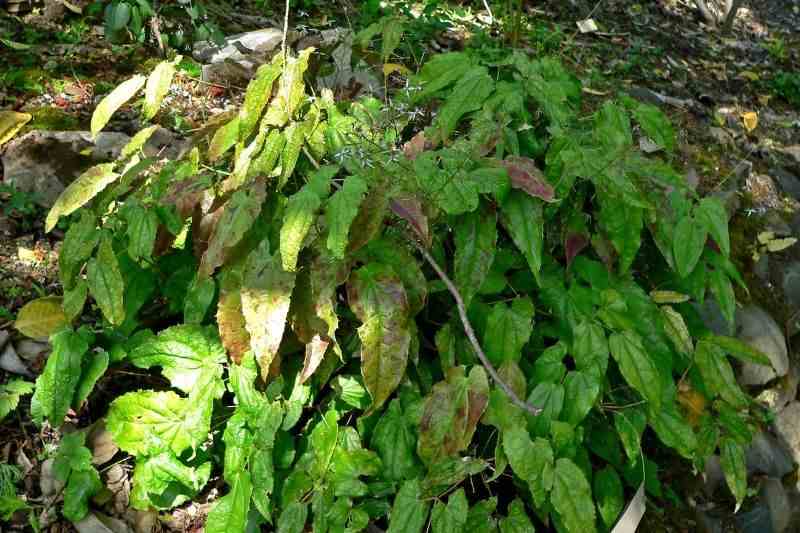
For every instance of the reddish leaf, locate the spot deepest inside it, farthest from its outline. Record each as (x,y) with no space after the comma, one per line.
(230,319)
(574,244)
(315,352)
(526,176)
(410,209)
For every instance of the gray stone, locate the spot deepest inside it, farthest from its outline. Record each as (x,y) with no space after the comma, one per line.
(757,520)
(792,151)
(712,317)
(766,455)
(787,427)
(239,47)
(44,162)
(788,182)
(756,328)
(713,475)
(10,362)
(783,392)
(791,284)
(730,199)
(774,496)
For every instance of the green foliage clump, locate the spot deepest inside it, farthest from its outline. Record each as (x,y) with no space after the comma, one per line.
(291,279)
(787,86)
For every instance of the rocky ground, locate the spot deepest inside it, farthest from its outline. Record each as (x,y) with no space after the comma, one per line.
(740,139)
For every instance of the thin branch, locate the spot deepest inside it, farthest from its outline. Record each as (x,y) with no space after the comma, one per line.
(285,31)
(462,312)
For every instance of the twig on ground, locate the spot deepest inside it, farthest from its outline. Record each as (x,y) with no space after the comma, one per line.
(462,312)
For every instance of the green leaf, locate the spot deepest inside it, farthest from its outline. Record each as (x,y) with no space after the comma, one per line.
(636,366)
(224,139)
(718,374)
(10,393)
(141,232)
(549,397)
(673,429)
(590,348)
(295,139)
(93,369)
(549,366)
(441,71)
(609,494)
(468,95)
(378,298)
(521,216)
(80,191)
(74,300)
(186,354)
(323,440)
(301,209)
(293,518)
(198,300)
(258,93)
(739,350)
(113,101)
(230,512)
(572,497)
(451,517)
(291,90)
(689,240)
(623,224)
(393,30)
(10,505)
(105,282)
(479,519)
(394,441)
(340,212)
(55,387)
(612,127)
(722,289)
(266,426)
(391,251)
(238,216)
(266,295)
(581,391)
(137,142)
(508,329)
(713,215)
(531,460)
(732,458)
(40,318)
(163,482)
(630,424)
(79,242)
(409,512)
(451,413)
(81,486)
(475,236)
(517,520)
(158,86)
(677,330)
(655,124)
(265,161)
(149,422)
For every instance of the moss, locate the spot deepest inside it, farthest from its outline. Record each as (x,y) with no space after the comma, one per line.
(52,119)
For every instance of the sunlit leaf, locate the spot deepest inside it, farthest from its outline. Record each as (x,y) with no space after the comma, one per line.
(106,284)
(55,387)
(40,318)
(80,191)
(158,86)
(113,101)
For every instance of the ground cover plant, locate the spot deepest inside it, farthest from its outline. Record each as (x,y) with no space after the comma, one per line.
(463,307)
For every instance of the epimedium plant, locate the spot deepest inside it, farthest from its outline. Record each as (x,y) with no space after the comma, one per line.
(358,309)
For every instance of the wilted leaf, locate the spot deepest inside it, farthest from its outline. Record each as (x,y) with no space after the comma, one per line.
(266,294)
(291,90)
(378,298)
(676,330)
(224,139)
(301,209)
(451,413)
(258,93)
(158,86)
(410,209)
(237,218)
(40,318)
(10,123)
(230,318)
(80,191)
(113,101)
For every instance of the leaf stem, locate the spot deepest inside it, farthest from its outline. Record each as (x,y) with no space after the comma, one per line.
(462,312)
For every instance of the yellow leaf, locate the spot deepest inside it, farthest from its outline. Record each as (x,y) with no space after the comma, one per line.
(388,68)
(693,402)
(778,245)
(750,120)
(668,297)
(41,318)
(10,123)
(765,236)
(748,75)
